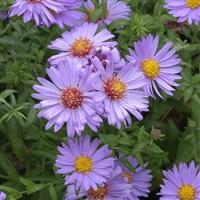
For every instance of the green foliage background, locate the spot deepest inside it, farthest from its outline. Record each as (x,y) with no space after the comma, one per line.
(27,151)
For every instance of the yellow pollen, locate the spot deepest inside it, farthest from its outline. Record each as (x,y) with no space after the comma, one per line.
(98,194)
(71,98)
(129,176)
(150,68)
(114,88)
(187,192)
(83,164)
(193,4)
(81,47)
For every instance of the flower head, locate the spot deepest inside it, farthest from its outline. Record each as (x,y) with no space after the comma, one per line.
(109,56)
(160,69)
(69,16)
(2,196)
(69,98)
(184,10)
(114,10)
(181,183)
(80,43)
(140,179)
(115,188)
(83,163)
(41,11)
(120,93)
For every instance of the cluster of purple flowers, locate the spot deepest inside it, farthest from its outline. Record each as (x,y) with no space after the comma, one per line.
(67,12)
(91,172)
(90,81)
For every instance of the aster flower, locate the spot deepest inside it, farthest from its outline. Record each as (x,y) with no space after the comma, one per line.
(108,55)
(2,196)
(115,10)
(67,99)
(120,93)
(41,11)
(115,188)
(83,163)
(69,16)
(140,179)
(73,4)
(184,10)
(181,183)
(160,69)
(80,43)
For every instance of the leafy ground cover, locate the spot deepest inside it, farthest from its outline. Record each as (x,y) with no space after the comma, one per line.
(169,133)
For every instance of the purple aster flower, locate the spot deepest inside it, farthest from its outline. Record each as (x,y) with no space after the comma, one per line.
(83,163)
(42,11)
(80,43)
(184,10)
(115,188)
(140,179)
(120,93)
(181,183)
(160,69)
(73,4)
(108,55)
(115,10)
(69,98)
(2,196)
(69,16)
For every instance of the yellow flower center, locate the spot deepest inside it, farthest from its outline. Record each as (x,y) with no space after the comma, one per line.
(98,194)
(129,176)
(83,164)
(193,4)
(71,98)
(81,47)
(114,88)
(186,192)
(150,68)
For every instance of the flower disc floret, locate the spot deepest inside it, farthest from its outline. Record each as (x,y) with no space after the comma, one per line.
(81,47)
(99,194)
(83,164)
(193,4)
(186,192)
(72,98)
(115,88)
(150,68)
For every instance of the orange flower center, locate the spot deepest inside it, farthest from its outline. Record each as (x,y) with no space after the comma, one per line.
(187,192)
(129,176)
(193,4)
(115,88)
(150,68)
(98,194)
(81,47)
(71,98)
